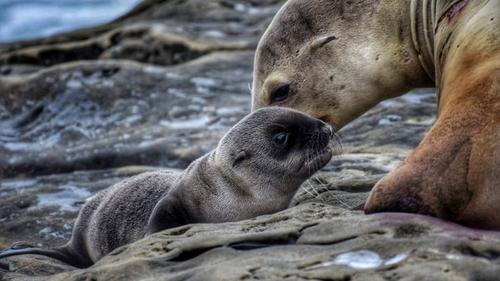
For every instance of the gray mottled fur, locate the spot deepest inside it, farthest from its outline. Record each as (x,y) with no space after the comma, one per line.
(245,176)
(119,214)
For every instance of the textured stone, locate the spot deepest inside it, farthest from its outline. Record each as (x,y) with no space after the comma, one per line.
(159,86)
(308,242)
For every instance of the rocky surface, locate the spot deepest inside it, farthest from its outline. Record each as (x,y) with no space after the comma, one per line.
(308,242)
(158,87)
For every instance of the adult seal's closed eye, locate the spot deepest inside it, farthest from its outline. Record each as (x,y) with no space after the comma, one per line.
(256,169)
(334,60)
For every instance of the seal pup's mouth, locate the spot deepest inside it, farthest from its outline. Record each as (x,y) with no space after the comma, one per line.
(322,147)
(319,159)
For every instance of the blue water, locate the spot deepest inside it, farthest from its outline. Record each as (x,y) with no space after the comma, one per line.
(26,19)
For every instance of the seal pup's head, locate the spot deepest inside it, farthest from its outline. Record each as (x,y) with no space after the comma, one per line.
(275,150)
(256,169)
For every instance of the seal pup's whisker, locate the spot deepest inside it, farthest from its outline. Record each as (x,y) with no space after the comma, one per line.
(304,187)
(318,194)
(336,143)
(325,188)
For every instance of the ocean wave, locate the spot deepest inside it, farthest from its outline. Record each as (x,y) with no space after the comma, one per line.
(26,19)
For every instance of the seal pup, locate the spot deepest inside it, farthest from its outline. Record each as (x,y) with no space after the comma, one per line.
(256,169)
(334,60)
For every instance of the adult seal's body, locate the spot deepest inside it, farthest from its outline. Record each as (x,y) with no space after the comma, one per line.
(336,59)
(256,169)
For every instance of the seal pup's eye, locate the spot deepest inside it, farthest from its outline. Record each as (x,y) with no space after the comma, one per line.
(281,139)
(280,93)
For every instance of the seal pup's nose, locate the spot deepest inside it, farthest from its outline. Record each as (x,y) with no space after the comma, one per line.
(324,134)
(327,130)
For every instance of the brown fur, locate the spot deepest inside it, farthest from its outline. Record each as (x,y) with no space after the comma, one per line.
(454,173)
(455,170)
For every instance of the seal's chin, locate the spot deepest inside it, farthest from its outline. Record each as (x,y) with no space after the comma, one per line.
(318,161)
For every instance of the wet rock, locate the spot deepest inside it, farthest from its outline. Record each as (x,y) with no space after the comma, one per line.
(177,111)
(109,114)
(347,180)
(158,32)
(394,125)
(308,242)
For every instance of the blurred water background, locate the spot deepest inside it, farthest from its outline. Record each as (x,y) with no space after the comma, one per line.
(26,19)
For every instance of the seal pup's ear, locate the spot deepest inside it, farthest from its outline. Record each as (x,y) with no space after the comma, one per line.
(168,213)
(240,157)
(321,41)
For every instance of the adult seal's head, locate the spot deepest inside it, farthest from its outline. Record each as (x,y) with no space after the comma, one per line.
(256,169)
(336,59)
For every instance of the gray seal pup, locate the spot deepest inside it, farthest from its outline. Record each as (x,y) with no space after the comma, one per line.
(256,169)
(334,60)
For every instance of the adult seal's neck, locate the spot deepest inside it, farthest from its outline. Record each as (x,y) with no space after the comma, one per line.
(422,19)
(433,30)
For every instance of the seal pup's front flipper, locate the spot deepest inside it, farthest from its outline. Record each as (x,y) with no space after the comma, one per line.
(168,213)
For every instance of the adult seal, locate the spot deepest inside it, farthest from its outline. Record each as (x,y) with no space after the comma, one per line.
(256,169)
(336,59)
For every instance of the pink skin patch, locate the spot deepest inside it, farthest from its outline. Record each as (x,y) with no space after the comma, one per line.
(457,7)
(452,12)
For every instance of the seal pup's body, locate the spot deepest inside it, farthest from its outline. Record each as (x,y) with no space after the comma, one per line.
(334,60)
(256,169)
